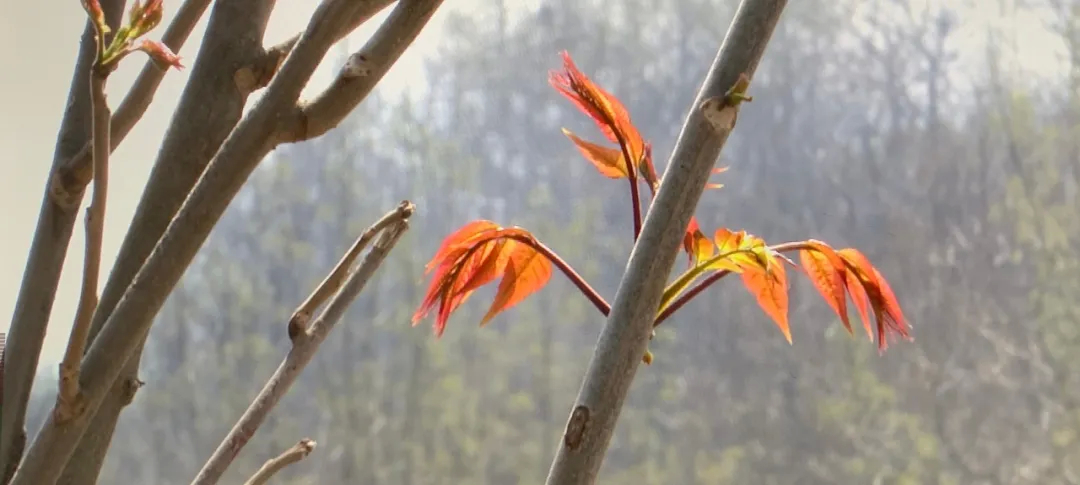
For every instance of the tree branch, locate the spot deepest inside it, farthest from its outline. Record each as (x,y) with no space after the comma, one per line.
(361,72)
(209,108)
(623,341)
(298,452)
(305,344)
(67,398)
(231,64)
(71,178)
(46,259)
(298,323)
(251,140)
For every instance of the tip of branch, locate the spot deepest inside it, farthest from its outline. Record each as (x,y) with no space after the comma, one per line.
(406,209)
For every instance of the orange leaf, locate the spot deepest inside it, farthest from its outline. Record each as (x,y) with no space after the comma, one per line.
(698,247)
(459,241)
(742,250)
(475,255)
(606,111)
(526,273)
(609,161)
(770,289)
(826,271)
(877,291)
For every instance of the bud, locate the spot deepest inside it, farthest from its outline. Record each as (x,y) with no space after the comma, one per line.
(160,54)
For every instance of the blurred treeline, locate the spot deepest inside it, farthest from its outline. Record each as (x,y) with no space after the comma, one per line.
(959,183)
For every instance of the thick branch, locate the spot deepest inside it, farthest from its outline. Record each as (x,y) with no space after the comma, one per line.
(304,347)
(624,338)
(361,72)
(72,177)
(209,108)
(46,259)
(67,405)
(238,156)
(298,452)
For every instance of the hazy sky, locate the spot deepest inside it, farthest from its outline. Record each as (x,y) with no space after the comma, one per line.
(38,42)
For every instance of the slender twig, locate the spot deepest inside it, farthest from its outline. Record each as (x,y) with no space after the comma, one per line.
(72,177)
(362,70)
(624,339)
(193,136)
(333,281)
(66,404)
(37,291)
(304,346)
(298,452)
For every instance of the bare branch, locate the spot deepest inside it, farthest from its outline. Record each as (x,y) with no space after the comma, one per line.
(232,41)
(260,73)
(625,336)
(46,260)
(305,345)
(67,399)
(361,72)
(127,326)
(72,177)
(298,452)
(329,286)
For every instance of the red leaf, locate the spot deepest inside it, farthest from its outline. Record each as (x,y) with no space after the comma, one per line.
(698,247)
(878,292)
(609,161)
(770,289)
(826,271)
(160,53)
(97,16)
(526,273)
(475,255)
(144,17)
(606,111)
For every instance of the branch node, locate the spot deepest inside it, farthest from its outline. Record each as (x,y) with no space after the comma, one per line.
(719,114)
(575,427)
(262,68)
(131,386)
(357,65)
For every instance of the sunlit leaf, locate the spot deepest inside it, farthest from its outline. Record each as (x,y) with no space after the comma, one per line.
(826,271)
(609,161)
(606,110)
(475,255)
(698,247)
(770,290)
(877,291)
(526,272)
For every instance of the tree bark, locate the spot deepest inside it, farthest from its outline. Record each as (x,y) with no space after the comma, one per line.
(46,260)
(209,108)
(623,341)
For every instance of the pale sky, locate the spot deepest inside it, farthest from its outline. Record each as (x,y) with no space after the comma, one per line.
(38,42)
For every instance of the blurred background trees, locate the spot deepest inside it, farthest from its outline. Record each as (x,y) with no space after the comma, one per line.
(957,174)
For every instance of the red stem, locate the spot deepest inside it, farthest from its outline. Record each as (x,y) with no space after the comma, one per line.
(587,290)
(631,175)
(713,278)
